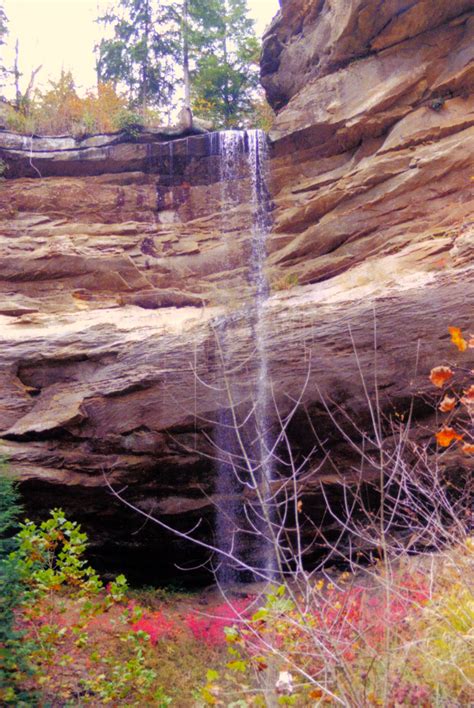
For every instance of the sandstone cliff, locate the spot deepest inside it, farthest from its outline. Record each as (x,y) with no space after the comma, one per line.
(117,261)
(374,136)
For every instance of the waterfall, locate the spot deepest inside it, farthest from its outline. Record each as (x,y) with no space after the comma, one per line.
(243,156)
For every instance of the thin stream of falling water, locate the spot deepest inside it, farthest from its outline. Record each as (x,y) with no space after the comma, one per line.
(247,151)
(258,162)
(242,158)
(230,145)
(31,158)
(260,227)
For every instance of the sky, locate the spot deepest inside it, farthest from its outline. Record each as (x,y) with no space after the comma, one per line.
(62,33)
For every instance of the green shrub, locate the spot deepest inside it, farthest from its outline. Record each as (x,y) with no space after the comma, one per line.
(129,122)
(445,629)
(132,679)
(14,651)
(50,556)
(286,282)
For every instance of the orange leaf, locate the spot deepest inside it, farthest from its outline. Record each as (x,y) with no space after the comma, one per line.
(457,338)
(446,436)
(468,448)
(440,375)
(315,693)
(447,404)
(468,398)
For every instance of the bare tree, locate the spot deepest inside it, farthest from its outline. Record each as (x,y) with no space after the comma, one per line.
(22,99)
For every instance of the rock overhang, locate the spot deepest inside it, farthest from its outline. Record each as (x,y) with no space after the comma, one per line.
(372,214)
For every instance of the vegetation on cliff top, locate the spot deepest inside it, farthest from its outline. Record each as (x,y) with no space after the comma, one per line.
(153,58)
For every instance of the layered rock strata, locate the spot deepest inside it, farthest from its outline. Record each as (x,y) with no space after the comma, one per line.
(117,262)
(374,138)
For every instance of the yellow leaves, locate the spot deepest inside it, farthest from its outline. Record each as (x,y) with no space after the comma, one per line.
(299,506)
(60,109)
(446,436)
(260,663)
(208,697)
(447,404)
(101,107)
(457,338)
(440,375)
(468,448)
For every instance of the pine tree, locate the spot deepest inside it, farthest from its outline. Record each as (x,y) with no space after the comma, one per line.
(10,510)
(197,22)
(13,649)
(141,53)
(225,78)
(207,46)
(3,35)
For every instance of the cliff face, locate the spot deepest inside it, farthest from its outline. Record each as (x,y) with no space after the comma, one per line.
(117,260)
(311,40)
(374,136)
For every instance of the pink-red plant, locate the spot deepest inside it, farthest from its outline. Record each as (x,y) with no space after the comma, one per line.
(210,628)
(156,625)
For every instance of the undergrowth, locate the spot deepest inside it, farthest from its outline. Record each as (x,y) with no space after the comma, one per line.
(335,650)
(92,644)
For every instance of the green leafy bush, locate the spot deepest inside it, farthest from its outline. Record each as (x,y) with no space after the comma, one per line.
(132,680)
(50,556)
(129,122)
(445,629)
(62,601)
(406,642)
(14,650)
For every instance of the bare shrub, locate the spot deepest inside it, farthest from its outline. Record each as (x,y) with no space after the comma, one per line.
(384,616)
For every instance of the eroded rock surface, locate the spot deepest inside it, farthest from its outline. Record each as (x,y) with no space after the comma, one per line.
(310,40)
(374,142)
(44,156)
(119,262)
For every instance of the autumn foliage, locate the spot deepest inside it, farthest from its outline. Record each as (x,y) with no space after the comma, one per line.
(458,397)
(404,644)
(61,110)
